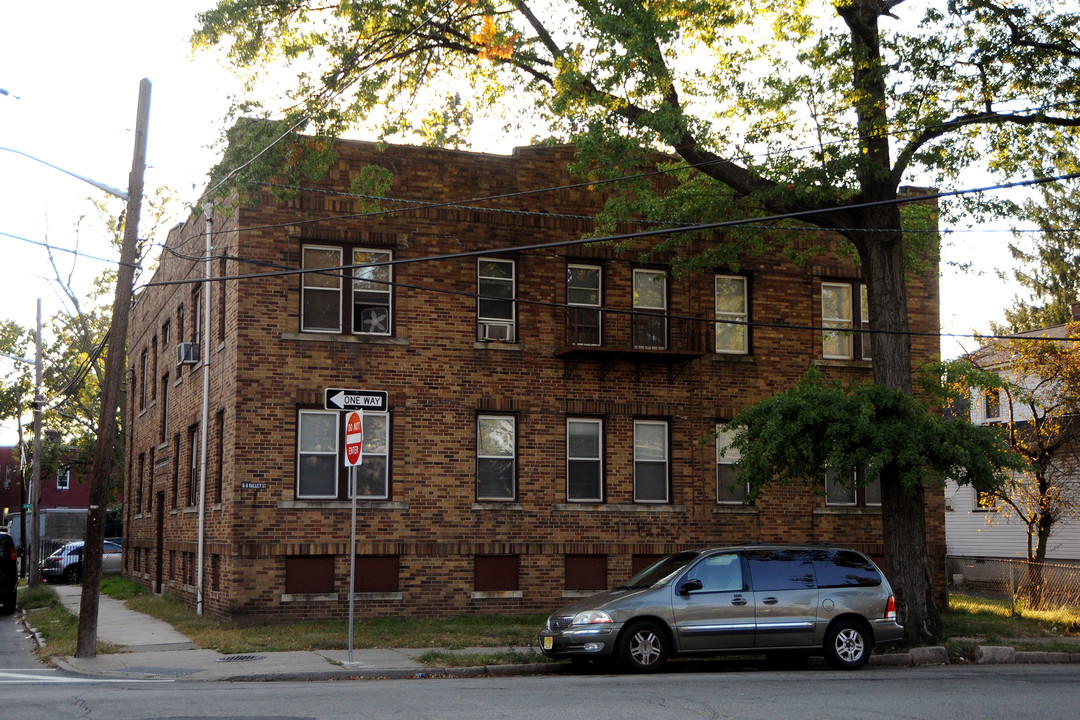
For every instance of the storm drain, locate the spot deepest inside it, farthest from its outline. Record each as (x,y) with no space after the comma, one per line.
(239,658)
(161,671)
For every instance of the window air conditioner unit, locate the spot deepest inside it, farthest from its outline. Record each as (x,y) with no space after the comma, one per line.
(495,331)
(187,353)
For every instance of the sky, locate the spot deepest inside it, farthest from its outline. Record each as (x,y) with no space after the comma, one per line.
(71,71)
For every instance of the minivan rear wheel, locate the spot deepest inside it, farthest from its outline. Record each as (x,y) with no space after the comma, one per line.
(643,647)
(847,645)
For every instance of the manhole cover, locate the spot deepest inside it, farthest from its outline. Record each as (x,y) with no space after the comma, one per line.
(239,658)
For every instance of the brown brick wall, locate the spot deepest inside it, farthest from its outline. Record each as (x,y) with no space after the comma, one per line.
(438,379)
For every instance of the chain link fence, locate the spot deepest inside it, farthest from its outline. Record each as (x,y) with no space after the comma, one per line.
(1031,586)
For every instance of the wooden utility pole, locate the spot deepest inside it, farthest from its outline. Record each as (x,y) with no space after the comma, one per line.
(115,361)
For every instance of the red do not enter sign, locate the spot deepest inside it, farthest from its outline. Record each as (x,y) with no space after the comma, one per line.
(354,437)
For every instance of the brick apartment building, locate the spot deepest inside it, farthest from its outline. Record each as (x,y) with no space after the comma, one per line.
(549,409)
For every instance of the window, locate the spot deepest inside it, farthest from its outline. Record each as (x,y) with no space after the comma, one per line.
(650,461)
(154,366)
(584,468)
(729,490)
(321,473)
(372,476)
(732,332)
(372,314)
(841,303)
(222,272)
(193,467)
(317,454)
(781,569)
(176,471)
(180,323)
(495,457)
(583,295)
(63,479)
(992,403)
(495,573)
(164,409)
(853,491)
(142,379)
(585,572)
(196,313)
(495,304)
(165,334)
(984,501)
(219,465)
(320,301)
(719,573)
(650,309)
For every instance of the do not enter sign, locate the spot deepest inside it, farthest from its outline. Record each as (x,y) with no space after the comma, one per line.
(354,438)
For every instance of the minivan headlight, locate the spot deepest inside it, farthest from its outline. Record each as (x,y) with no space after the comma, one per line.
(590,617)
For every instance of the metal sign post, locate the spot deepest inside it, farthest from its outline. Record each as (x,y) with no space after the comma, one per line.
(354,455)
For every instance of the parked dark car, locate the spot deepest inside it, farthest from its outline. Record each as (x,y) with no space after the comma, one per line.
(784,601)
(9,574)
(65,565)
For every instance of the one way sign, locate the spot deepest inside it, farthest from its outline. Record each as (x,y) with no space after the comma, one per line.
(338,399)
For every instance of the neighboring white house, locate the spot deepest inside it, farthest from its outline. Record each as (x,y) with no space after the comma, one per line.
(975,529)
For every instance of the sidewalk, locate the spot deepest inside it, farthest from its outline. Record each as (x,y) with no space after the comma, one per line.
(151,648)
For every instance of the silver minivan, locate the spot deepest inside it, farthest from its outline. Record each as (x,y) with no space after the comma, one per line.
(788,601)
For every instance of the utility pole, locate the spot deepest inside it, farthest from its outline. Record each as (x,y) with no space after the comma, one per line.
(35,482)
(110,393)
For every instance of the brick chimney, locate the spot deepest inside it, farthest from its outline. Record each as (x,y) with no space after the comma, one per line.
(1076,312)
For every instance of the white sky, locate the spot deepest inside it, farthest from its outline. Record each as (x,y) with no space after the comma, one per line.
(72,71)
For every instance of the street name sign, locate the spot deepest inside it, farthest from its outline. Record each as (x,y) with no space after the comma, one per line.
(338,399)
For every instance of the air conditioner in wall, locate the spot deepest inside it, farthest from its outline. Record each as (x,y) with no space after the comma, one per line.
(187,353)
(496,331)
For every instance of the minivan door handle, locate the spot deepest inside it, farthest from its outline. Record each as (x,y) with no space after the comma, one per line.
(770,601)
(738,600)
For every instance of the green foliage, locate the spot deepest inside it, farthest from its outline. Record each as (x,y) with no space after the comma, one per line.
(1048,261)
(820,424)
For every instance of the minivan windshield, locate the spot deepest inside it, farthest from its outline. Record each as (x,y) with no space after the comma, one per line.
(659,572)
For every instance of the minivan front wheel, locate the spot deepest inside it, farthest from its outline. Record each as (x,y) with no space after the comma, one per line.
(643,647)
(847,645)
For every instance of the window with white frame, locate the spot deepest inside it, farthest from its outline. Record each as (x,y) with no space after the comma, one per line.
(63,479)
(844,309)
(320,301)
(583,295)
(317,459)
(372,475)
(852,491)
(496,448)
(732,332)
(372,312)
(650,461)
(729,489)
(321,472)
(992,403)
(495,310)
(584,464)
(650,309)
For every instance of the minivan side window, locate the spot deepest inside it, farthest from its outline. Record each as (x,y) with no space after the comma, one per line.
(780,569)
(844,568)
(719,573)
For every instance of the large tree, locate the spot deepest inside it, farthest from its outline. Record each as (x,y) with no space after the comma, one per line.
(1048,259)
(819,110)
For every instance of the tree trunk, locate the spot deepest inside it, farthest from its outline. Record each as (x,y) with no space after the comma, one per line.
(903,512)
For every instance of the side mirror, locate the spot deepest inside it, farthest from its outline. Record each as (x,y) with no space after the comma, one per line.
(689,586)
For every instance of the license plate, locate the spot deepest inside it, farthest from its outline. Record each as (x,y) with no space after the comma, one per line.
(549,643)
